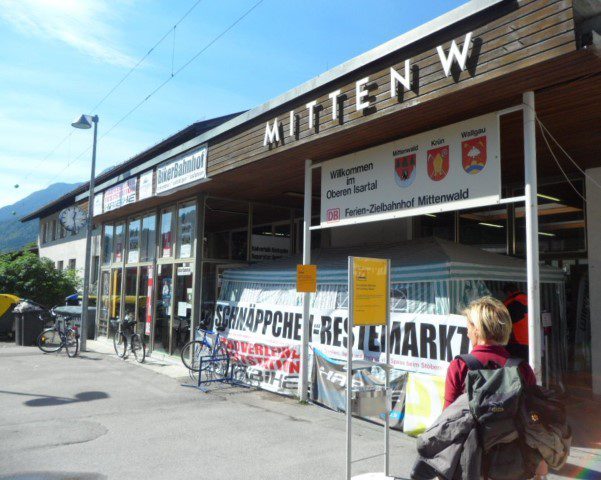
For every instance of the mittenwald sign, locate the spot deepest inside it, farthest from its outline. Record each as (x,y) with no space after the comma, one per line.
(454,167)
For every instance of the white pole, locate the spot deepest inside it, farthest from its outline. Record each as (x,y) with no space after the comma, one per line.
(387,382)
(531,207)
(303,385)
(349,368)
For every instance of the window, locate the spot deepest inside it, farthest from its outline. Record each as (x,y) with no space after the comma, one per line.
(166,229)
(44,233)
(71,264)
(133,241)
(118,245)
(186,223)
(148,244)
(107,244)
(57,229)
(53,230)
(60,265)
(95,268)
(63,231)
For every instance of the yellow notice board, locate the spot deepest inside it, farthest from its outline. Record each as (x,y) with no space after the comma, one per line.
(370,279)
(306,278)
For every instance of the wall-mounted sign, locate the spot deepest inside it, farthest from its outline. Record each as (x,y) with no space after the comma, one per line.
(185,169)
(98,204)
(269,247)
(145,189)
(450,168)
(120,195)
(184,271)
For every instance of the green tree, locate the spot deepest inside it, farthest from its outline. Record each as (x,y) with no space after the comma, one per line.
(29,276)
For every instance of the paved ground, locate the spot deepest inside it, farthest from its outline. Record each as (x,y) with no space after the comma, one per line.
(99,417)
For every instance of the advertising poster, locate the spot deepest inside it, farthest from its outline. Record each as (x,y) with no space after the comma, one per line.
(370,290)
(120,195)
(98,198)
(453,167)
(149,293)
(145,186)
(270,336)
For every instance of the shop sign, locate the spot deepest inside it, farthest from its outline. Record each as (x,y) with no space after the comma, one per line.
(269,247)
(370,280)
(184,271)
(450,168)
(145,190)
(149,293)
(400,80)
(306,278)
(120,195)
(98,204)
(183,170)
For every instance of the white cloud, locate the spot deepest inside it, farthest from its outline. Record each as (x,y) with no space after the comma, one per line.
(82,24)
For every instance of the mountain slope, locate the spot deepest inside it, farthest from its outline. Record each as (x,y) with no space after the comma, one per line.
(16,234)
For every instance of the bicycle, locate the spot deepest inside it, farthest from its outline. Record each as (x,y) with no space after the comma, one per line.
(57,337)
(209,345)
(126,334)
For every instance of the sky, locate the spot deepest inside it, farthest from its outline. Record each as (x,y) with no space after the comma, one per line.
(60,58)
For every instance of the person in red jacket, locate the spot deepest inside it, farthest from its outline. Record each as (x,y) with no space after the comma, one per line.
(489,327)
(516,302)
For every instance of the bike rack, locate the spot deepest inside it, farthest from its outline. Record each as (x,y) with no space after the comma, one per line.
(229,378)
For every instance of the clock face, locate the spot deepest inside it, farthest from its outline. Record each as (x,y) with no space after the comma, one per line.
(72,218)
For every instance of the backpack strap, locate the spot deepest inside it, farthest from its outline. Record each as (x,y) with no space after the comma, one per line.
(472,362)
(514,362)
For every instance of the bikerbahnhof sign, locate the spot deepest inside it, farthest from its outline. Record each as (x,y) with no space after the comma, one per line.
(454,167)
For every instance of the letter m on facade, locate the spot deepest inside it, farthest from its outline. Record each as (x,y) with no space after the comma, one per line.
(272,134)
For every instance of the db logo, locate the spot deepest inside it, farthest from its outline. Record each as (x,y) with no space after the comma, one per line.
(333,215)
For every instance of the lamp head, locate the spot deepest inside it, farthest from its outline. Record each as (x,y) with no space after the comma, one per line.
(84,122)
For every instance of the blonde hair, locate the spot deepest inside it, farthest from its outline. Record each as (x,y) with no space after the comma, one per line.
(491,320)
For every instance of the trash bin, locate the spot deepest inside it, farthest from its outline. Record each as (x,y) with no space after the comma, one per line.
(74,312)
(27,323)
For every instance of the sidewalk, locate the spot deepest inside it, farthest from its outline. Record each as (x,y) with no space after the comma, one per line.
(584,417)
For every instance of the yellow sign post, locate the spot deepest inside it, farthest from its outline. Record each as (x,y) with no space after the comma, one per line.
(306,278)
(370,291)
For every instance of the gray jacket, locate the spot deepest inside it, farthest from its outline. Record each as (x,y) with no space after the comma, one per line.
(449,449)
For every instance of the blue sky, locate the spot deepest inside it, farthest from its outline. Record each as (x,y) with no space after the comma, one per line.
(59,58)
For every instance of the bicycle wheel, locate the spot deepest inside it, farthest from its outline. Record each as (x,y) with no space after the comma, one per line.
(220,365)
(71,342)
(49,341)
(120,344)
(192,352)
(138,348)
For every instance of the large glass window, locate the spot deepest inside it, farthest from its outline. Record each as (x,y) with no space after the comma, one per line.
(182,307)
(118,245)
(131,278)
(148,244)
(133,241)
(107,244)
(224,219)
(144,304)
(166,233)
(485,228)
(186,223)
(271,233)
(440,225)
(115,300)
(105,302)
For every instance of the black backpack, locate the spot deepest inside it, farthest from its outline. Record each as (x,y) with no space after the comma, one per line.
(496,396)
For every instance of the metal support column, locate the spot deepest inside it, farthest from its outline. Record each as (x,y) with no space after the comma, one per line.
(303,385)
(198,260)
(531,210)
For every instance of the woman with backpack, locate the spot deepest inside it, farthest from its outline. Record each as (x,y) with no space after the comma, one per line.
(489,328)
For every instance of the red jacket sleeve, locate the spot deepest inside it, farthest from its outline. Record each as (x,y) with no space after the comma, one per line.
(455,381)
(527,374)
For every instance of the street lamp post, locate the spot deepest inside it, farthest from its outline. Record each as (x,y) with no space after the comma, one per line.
(85,122)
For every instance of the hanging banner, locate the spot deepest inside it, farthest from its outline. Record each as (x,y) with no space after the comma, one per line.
(450,168)
(330,386)
(369,283)
(149,293)
(98,204)
(183,170)
(418,342)
(146,185)
(423,402)
(120,195)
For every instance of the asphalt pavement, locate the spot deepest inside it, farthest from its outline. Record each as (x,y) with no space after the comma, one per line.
(98,417)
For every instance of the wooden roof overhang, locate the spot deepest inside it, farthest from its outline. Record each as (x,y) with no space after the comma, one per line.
(518,46)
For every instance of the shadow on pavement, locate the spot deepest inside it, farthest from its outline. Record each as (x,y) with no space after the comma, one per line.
(54,476)
(52,400)
(574,471)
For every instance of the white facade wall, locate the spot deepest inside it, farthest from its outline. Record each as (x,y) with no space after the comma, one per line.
(67,248)
(593,221)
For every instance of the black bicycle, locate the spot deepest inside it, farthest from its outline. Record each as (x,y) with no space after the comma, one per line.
(59,336)
(126,335)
